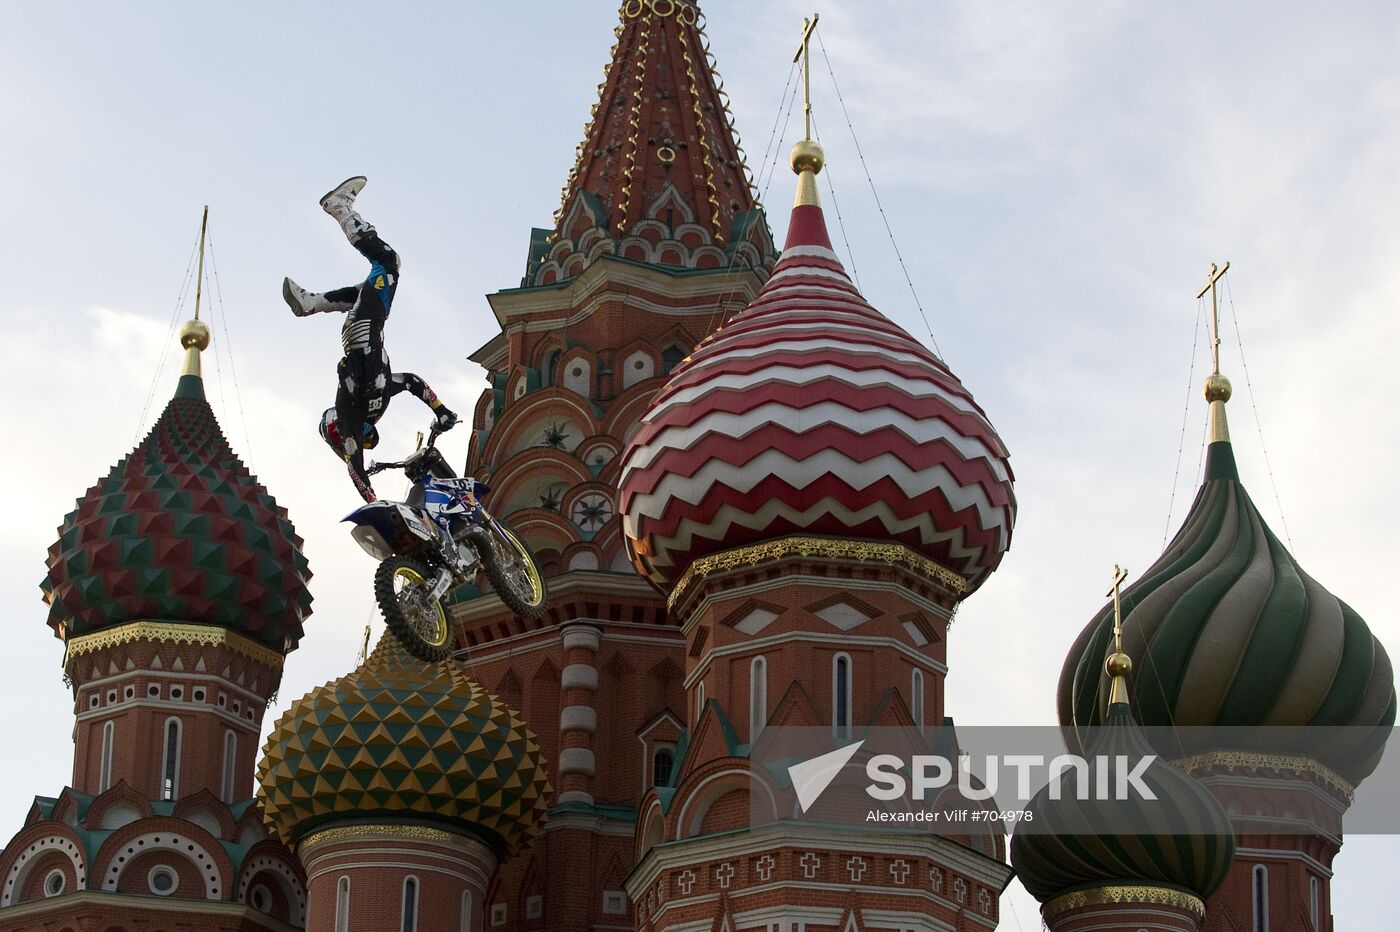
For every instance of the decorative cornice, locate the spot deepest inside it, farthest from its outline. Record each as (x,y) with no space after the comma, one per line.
(387,832)
(827,547)
(168,632)
(1134,895)
(1235,762)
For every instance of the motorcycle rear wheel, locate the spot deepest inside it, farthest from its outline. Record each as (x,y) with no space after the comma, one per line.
(402,587)
(513,572)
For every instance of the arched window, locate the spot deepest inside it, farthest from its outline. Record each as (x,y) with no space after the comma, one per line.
(467,924)
(104,775)
(230,760)
(342,905)
(841,695)
(1261,898)
(551,363)
(170,770)
(758,697)
(699,700)
(671,357)
(916,696)
(1315,901)
(410,904)
(662,762)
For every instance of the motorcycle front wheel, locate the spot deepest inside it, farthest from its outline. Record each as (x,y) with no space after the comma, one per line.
(403,589)
(512,571)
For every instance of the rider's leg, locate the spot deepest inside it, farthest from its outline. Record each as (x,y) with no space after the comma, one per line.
(349,420)
(303,302)
(414,385)
(384,261)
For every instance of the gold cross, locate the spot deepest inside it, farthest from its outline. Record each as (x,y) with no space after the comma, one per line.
(1215,275)
(1119,575)
(804,53)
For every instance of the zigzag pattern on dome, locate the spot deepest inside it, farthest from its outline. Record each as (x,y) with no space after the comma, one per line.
(180,531)
(812,412)
(400,738)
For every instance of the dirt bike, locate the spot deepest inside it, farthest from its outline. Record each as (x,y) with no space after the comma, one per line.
(440,537)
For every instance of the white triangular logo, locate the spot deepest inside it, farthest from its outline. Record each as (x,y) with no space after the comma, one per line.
(811,777)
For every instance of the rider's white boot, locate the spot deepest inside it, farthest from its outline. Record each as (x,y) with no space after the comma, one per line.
(339,202)
(303,302)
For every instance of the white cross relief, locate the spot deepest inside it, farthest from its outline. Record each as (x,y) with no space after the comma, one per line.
(960,890)
(765,867)
(810,864)
(724,873)
(899,870)
(984,899)
(660,891)
(686,881)
(935,877)
(856,867)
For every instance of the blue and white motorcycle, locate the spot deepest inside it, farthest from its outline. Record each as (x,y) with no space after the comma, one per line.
(440,537)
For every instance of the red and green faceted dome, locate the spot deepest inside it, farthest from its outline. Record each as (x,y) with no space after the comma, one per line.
(180,531)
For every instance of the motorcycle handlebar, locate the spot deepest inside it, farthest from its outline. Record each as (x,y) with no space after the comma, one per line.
(375,467)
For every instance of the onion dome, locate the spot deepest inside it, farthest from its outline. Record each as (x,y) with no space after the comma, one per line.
(811,412)
(1180,840)
(1230,631)
(401,738)
(180,531)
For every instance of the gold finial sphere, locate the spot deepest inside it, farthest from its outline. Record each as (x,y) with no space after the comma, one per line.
(1119,664)
(195,333)
(807,156)
(1218,388)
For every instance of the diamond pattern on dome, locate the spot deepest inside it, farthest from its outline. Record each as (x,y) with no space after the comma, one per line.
(398,737)
(180,530)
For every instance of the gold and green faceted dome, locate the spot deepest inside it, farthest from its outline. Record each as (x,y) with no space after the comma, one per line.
(402,739)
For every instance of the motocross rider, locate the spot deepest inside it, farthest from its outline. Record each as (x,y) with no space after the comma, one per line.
(365,382)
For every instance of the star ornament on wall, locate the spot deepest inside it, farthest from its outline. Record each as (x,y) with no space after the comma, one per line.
(555,436)
(592,511)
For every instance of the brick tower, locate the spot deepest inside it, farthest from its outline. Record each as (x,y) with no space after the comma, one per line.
(659,238)
(177,586)
(817,491)
(1274,692)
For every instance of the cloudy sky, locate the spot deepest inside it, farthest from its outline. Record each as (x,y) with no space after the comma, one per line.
(1058,176)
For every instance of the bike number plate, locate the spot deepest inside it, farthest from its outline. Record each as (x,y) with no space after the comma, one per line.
(413,524)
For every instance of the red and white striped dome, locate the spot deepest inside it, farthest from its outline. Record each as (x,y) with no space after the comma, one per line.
(811,412)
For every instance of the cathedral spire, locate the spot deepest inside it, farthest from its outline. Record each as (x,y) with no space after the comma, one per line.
(660,160)
(1217,387)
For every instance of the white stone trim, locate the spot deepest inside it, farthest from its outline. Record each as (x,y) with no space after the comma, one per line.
(709,601)
(768,838)
(578,718)
(579,676)
(576,760)
(838,641)
(19,872)
(1270,854)
(584,636)
(575,796)
(292,882)
(185,848)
